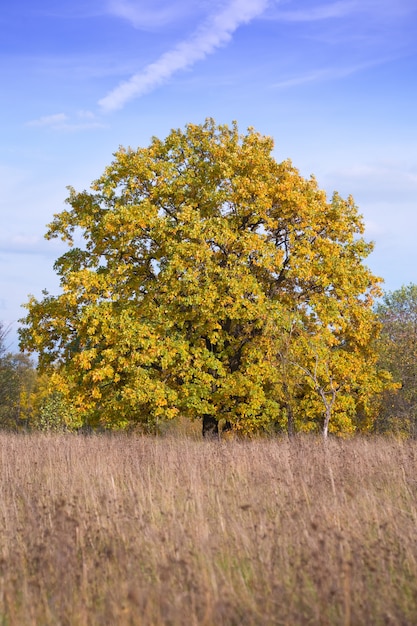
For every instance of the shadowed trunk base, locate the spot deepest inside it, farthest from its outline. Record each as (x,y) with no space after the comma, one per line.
(211,428)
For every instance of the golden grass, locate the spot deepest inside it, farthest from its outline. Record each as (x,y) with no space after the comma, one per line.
(123,530)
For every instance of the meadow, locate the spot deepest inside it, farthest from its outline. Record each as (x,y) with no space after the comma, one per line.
(133,530)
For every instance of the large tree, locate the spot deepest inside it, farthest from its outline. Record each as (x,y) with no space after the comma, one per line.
(206,279)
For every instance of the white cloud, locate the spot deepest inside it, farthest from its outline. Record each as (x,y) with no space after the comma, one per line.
(215,32)
(86,115)
(19,243)
(152,14)
(329,73)
(321,12)
(50,120)
(24,243)
(393,182)
(84,120)
(317,75)
(379,9)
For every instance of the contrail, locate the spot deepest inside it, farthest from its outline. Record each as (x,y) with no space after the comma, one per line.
(214,33)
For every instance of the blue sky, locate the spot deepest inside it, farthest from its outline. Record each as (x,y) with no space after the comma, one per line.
(334,82)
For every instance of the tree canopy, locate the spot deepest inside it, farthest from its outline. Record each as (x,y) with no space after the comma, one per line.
(203,278)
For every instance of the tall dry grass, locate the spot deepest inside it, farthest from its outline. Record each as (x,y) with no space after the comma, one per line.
(125,530)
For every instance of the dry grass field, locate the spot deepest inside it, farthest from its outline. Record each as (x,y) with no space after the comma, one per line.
(130,530)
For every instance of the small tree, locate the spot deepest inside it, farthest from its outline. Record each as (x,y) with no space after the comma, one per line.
(17,379)
(330,381)
(196,251)
(4,331)
(397,349)
(50,408)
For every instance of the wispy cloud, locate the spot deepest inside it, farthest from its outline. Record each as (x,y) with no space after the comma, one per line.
(152,14)
(84,120)
(321,12)
(311,77)
(329,73)
(395,181)
(12,243)
(379,9)
(215,32)
(50,120)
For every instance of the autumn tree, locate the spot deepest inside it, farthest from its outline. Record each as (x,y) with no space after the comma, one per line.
(397,349)
(204,278)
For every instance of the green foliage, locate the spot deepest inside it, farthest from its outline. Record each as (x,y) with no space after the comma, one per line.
(17,379)
(212,280)
(397,349)
(55,414)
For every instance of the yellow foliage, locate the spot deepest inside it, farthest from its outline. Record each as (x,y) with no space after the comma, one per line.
(213,280)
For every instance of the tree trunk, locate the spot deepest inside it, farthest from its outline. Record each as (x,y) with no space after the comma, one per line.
(326,422)
(288,408)
(290,422)
(210,427)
